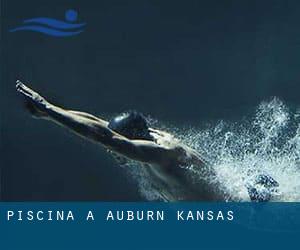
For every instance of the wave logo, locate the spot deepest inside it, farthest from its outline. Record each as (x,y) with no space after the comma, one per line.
(53,27)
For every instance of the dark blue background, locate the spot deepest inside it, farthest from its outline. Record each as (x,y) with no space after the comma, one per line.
(182,62)
(255,226)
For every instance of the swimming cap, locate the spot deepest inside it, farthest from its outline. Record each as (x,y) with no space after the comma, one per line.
(132,125)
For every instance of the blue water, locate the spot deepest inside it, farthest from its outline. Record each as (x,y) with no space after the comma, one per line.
(268,141)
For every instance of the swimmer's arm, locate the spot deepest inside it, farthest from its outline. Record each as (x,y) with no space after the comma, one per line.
(95,129)
(81,123)
(87,115)
(34,100)
(98,131)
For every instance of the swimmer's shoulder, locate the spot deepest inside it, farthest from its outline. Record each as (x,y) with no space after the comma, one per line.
(185,155)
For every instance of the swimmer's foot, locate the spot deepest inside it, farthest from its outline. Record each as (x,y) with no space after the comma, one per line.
(263,188)
(34,103)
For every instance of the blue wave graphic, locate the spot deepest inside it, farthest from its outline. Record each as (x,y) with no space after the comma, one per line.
(55,27)
(53,23)
(47,31)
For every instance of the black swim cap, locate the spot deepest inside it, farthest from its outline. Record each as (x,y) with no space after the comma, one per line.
(132,125)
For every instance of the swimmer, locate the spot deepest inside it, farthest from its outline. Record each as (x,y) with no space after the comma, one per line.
(129,136)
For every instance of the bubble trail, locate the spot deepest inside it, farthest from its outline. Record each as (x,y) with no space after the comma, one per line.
(266,142)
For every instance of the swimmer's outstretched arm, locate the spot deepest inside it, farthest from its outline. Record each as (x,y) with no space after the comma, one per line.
(95,129)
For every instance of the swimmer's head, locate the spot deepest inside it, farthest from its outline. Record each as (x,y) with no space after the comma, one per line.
(132,125)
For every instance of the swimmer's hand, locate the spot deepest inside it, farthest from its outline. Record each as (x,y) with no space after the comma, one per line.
(35,103)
